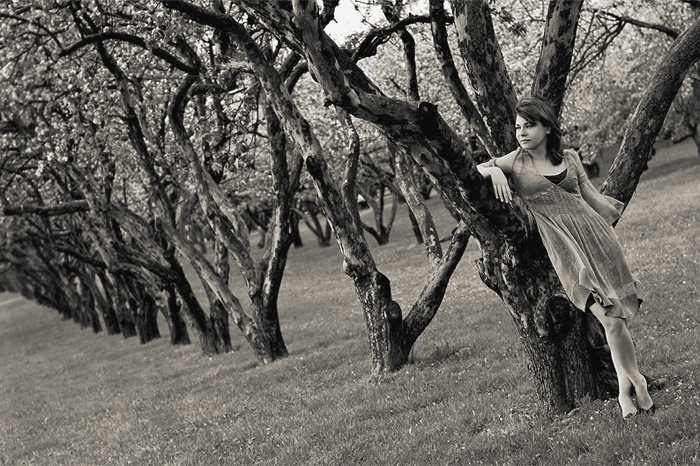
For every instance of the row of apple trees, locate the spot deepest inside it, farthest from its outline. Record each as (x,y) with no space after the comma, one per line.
(135,133)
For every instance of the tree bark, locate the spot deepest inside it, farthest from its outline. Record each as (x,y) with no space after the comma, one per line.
(126,320)
(218,314)
(648,117)
(144,308)
(171,312)
(104,303)
(495,96)
(556,53)
(449,70)
(551,329)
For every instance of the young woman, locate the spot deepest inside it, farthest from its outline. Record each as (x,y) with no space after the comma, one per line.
(574,221)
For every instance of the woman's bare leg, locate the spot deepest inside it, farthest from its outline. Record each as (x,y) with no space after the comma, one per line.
(624,396)
(625,361)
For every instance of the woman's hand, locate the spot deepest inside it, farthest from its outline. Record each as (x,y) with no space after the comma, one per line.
(500,185)
(499,180)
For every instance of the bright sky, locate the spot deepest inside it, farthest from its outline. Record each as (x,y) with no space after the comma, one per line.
(347,20)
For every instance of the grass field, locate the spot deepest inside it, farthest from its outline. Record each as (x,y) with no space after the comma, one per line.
(73,397)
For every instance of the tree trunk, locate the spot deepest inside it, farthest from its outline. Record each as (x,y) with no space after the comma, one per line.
(126,321)
(218,315)
(263,279)
(315,226)
(86,303)
(172,314)
(556,53)
(109,315)
(648,117)
(257,339)
(449,70)
(147,324)
(294,230)
(495,96)
(144,308)
(105,304)
(551,329)
(192,311)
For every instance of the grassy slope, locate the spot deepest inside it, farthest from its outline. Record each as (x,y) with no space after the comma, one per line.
(71,397)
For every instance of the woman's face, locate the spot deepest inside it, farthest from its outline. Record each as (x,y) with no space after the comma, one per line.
(531,134)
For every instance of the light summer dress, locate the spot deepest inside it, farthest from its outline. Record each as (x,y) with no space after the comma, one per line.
(575,223)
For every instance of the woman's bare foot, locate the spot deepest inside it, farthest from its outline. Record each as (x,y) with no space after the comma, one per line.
(627,406)
(644,400)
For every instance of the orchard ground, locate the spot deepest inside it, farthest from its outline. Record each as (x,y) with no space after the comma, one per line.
(73,397)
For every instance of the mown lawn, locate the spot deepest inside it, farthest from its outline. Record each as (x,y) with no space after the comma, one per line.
(73,397)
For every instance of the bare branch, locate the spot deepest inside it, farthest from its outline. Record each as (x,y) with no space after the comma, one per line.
(642,24)
(47,211)
(129,38)
(376,37)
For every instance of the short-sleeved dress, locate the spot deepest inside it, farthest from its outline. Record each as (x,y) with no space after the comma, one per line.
(575,223)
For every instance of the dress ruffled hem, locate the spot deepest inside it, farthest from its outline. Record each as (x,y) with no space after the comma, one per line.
(615,306)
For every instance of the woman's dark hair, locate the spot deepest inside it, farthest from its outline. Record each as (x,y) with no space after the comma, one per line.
(534,109)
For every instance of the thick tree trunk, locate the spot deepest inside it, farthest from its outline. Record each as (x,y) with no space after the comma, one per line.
(127,323)
(104,302)
(495,96)
(449,70)
(192,311)
(218,315)
(557,50)
(294,230)
(172,314)
(551,329)
(143,306)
